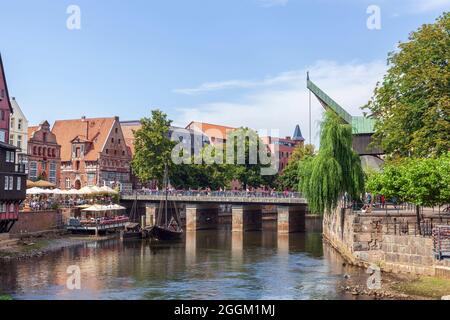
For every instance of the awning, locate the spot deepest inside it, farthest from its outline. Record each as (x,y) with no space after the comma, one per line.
(101,208)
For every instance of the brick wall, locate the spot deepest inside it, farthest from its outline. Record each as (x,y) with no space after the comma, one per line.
(30,222)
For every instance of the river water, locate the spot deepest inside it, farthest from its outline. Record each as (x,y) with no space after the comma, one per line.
(208,265)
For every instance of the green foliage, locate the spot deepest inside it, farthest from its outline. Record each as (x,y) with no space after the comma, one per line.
(153,148)
(412,104)
(334,171)
(289,179)
(247,166)
(423,182)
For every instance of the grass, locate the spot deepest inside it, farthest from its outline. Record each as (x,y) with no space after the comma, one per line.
(5,297)
(427,287)
(24,249)
(36,246)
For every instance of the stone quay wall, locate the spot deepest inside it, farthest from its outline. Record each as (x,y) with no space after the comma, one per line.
(365,240)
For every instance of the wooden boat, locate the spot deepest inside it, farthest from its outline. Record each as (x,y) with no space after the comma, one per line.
(133,230)
(166,230)
(163,234)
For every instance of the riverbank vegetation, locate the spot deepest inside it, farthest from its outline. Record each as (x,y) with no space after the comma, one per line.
(335,171)
(424,287)
(411,105)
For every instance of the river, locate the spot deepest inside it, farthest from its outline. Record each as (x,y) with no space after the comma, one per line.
(207,265)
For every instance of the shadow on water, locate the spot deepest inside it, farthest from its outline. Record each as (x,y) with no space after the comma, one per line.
(207,265)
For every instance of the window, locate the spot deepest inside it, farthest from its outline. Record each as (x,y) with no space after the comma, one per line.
(107,151)
(112,140)
(10,155)
(2,134)
(3,207)
(19,124)
(2,114)
(19,183)
(11,139)
(68,184)
(19,141)
(34,150)
(91,179)
(33,170)
(44,137)
(9,183)
(52,172)
(13,123)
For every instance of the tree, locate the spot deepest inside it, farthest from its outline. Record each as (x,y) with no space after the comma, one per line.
(412,104)
(289,179)
(243,150)
(336,170)
(423,182)
(153,148)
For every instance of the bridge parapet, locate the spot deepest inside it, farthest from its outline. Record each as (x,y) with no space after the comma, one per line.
(284,198)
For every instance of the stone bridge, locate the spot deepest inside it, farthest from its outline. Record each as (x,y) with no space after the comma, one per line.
(202,208)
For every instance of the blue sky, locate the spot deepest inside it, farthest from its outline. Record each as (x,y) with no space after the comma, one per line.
(234,62)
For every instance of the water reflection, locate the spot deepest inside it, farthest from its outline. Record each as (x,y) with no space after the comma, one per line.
(208,265)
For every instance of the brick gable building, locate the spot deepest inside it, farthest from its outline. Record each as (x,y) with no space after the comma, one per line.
(93,152)
(44,154)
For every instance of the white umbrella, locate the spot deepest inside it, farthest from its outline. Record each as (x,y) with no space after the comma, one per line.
(85,191)
(95,189)
(72,192)
(57,191)
(34,191)
(109,190)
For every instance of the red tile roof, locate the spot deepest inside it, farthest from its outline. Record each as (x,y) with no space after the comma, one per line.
(94,130)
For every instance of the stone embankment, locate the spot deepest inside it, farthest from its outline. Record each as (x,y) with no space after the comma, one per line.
(370,239)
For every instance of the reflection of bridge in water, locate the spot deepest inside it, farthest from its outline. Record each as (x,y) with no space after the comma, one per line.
(202,208)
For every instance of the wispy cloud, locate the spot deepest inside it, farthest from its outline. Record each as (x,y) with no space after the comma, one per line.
(240,84)
(430,5)
(272,3)
(281,102)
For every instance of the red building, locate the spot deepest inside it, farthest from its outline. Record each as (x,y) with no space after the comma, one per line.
(284,146)
(12,175)
(93,153)
(44,154)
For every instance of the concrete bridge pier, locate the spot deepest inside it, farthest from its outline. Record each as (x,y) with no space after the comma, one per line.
(151,210)
(201,216)
(291,219)
(246,218)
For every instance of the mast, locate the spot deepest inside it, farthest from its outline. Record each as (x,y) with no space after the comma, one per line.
(166,186)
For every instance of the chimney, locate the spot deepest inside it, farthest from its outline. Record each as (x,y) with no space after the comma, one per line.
(83,118)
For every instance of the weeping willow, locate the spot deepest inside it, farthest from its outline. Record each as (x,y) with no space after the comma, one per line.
(336,170)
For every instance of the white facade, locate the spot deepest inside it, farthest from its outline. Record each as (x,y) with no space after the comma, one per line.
(19,131)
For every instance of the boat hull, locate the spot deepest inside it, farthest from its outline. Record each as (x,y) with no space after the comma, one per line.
(163,234)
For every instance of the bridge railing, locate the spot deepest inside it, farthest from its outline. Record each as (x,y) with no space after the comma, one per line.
(215,194)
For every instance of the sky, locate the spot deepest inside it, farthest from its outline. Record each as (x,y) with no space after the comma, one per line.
(230,62)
